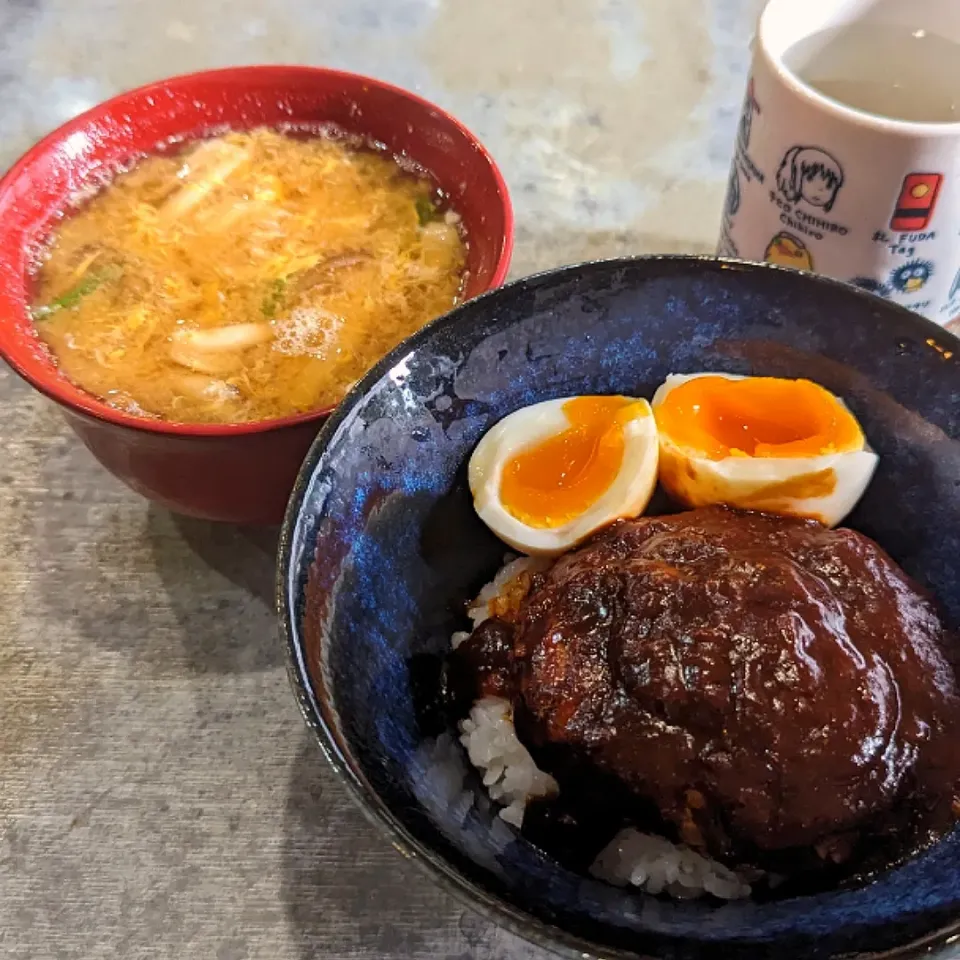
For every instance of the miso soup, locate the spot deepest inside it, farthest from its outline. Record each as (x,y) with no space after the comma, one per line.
(250,276)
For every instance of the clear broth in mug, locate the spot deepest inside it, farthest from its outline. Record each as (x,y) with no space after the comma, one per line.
(887,70)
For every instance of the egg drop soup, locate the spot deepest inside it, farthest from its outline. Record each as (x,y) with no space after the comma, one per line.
(250,276)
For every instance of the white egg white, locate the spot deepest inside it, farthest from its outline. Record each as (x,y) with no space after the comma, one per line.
(825,487)
(627,496)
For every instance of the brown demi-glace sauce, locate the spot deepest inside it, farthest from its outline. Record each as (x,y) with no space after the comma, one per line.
(773,693)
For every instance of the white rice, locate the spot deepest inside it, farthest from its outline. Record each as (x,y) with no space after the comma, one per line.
(509,773)
(512,779)
(658,866)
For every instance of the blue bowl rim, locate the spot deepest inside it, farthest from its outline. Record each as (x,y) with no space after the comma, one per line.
(468,893)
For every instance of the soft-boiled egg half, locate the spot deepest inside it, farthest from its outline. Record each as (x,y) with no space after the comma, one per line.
(760,443)
(547,476)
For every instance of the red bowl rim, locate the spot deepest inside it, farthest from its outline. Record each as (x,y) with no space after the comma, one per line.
(90,405)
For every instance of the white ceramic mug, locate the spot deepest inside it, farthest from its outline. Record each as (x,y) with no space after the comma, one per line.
(824,187)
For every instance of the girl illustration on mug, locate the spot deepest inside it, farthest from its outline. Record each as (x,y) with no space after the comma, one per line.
(811,174)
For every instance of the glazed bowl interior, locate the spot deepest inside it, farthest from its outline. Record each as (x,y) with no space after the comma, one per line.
(381,549)
(39,187)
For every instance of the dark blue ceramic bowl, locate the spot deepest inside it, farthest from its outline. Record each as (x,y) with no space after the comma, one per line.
(381,548)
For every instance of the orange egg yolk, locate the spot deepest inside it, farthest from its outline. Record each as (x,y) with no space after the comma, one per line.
(554,481)
(757,417)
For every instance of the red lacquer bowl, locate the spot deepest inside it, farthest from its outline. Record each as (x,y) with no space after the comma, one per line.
(241,473)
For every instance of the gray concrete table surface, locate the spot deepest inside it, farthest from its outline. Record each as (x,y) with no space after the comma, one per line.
(159,794)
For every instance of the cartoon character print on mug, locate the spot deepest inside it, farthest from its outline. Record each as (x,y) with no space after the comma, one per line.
(808,180)
(810,174)
(819,185)
(908,279)
(951,309)
(786,250)
(907,237)
(804,191)
(742,171)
